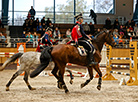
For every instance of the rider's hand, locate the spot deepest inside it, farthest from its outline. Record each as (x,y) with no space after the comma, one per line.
(77,44)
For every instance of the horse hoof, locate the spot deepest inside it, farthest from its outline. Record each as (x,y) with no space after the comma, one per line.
(71,81)
(99,87)
(33,89)
(7,89)
(67,91)
(82,85)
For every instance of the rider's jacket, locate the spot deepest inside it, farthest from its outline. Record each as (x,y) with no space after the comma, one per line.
(78,32)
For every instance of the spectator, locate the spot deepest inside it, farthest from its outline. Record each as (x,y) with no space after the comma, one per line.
(93,16)
(120,41)
(130,27)
(128,23)
(24,36)
(2,39)
(108,23)
(51,26)
(115,37)
(43,32)
(35,39)
(48,21)
(29,38)
(128,34)
(1,25)
(132,23)
(68,33)
(32,12)
(39,28)
(97,31)
(31,25)
(56,33)
(35,24)
(122,31)
(29,15)
(92,29)
(116,32)
(116,24)
(86,28)
(136,30)
(43,21)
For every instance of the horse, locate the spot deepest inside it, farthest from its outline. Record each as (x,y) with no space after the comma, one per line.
(28,60)
(62,54)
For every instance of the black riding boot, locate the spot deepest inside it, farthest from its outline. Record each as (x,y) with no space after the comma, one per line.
(91,60)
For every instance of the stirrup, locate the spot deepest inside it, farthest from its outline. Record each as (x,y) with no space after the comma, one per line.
(92,63)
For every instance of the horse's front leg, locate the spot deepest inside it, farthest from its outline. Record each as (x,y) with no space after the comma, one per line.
(90,70)
(97,69)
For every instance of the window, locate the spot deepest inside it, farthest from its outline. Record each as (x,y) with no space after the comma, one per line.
(64,11)
(44,9)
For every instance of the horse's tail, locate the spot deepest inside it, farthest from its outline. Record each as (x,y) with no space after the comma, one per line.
(12,59)
(45,58)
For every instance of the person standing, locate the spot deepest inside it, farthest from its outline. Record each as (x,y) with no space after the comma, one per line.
(93,16)
(32,12)
(48,21)
(92,29)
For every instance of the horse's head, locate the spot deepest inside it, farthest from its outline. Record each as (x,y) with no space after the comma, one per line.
(109,38)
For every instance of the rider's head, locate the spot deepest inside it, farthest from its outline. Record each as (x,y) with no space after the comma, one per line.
(79,17)
(49,30)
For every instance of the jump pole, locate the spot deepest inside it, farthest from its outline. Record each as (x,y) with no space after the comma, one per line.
(108,75)
(132,64)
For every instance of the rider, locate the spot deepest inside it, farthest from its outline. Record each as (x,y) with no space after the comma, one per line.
(80,38)
(45,40)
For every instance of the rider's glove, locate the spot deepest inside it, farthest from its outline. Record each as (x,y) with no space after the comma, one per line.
(77,44)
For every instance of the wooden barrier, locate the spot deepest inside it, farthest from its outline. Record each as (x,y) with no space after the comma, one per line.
(132,64)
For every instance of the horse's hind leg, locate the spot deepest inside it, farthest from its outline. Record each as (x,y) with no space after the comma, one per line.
(26,80)
(13,77)
(90,70)
(97,69)
(61,76)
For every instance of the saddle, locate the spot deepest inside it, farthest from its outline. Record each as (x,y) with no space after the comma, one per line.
(82,51)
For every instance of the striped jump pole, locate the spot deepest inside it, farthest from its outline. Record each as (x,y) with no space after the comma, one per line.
(132,64)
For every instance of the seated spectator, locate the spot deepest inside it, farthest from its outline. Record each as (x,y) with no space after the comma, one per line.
(2,39)
(29,38)
(132,23)
(86,28)
(122,31)
(120,41)
(116,32)
(116,24)
(56,33)
(130,27)
(108,24)
(43,21)
(48,21)
(51,26)
(92,29)
(97,31)
(24,36)
(43,32)
(36,23)
(68,33)
(128,34)
(35,39)
(128,23)
(133,34)
(115,37)
(39,28)
(29,15)
(31,25)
